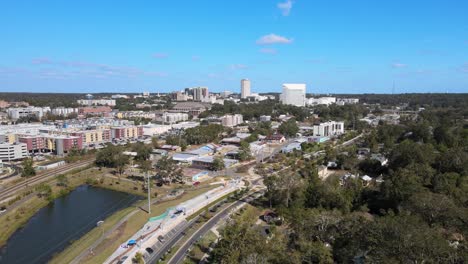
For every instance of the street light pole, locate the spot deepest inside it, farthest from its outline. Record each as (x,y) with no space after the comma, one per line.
(149,194)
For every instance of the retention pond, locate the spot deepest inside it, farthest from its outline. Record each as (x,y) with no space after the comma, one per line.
(64,220)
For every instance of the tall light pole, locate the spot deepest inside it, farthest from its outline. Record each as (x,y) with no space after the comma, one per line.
(149,193)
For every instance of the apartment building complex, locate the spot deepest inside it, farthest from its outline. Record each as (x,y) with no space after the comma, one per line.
(232,120)
(16,113)
(97,102)
(15,151)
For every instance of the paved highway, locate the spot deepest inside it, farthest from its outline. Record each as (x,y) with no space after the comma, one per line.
(179,256)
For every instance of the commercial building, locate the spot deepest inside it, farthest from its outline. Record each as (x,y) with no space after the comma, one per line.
(126,132)
(265,118)
(294,94)
(232,120)
(119,96)
(34,143)
(192,108)
(225,94)
(211,99)
(63,144)
(95,111)
(275,139)
(108,102)
(64,111)
(343,101)
(179,96)
(59,144)
(14,151)
(16,113)
(245,88)
(200,93)
(321,101)
(174,117)
(137,114)
(329,129)
(4,104)
(208,161)
(96,136)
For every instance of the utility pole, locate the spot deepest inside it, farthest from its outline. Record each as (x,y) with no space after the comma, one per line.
(149,194)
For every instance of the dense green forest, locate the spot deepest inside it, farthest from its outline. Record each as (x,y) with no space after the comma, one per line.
(250,111)
(419,214)
(414,100)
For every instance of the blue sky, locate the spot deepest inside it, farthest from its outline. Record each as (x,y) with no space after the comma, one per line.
(359,46)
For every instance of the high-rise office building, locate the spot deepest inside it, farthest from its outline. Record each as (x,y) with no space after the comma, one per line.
(200,93)
(294,94)
(245,88)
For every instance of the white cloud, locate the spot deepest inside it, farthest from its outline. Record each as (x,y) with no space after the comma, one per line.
(397,65)
(238,66)
(273,39)
(285,7)
(268,51)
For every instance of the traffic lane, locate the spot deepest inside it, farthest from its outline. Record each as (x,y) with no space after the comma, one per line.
(170,243)
(180,254)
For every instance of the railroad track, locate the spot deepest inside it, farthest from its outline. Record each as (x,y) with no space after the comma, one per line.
(7,192)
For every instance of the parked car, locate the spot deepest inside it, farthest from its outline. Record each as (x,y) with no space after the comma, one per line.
(161,239)
(149,250)
(122,260)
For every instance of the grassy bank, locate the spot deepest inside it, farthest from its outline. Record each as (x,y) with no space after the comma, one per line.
(26,204)
(122,233)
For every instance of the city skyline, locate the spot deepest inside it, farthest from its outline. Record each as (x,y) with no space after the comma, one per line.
(363,47)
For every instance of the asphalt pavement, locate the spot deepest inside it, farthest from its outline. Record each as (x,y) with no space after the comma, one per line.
(183,250)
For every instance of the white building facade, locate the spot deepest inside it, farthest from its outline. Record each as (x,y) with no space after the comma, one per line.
(329,129)
(200,93)
(294,94)
(245,88)
(14,151)
(232,120)
(343,101)
(174,117)
(39,112)
(64,111)
(321,101)
(109,102)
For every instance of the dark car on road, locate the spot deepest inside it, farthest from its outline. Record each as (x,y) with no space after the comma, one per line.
(149,250)
(122,260)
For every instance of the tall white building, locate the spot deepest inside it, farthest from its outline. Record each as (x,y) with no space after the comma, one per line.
(294,94)
(200,93)
(245,88)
